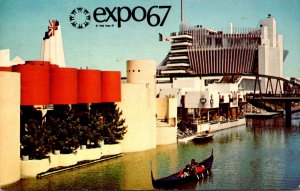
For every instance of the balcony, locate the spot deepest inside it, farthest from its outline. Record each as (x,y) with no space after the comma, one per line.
(182,44)
(178,64)
(173,72)
(178,58)
(178,51)
(180,35)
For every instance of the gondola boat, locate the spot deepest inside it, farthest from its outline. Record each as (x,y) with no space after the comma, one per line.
(201,137)
(175,180)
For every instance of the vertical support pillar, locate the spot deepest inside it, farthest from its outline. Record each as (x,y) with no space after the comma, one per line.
(208,115)
(257,81)
(278,84)
(271,86)
(228,111)
(288,113)
(259,86)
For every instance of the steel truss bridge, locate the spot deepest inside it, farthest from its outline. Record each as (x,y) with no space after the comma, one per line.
(279,93)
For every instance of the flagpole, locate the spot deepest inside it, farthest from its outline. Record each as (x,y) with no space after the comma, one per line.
(182,18)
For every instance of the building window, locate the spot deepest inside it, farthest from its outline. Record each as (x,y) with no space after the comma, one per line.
(139,70)
(209,41)
(219,42)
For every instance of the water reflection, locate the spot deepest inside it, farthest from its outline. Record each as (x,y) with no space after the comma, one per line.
(264,154)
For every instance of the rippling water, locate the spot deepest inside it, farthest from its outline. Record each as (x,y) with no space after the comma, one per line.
(264,154)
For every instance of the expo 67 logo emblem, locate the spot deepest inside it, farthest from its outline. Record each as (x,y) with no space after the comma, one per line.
(154,16)
(80,18)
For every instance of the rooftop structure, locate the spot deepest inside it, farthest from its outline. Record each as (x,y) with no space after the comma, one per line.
(200,50)
(5,61)
(52,45)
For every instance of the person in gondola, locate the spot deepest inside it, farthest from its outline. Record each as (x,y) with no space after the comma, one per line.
(200,169)
(187,171)
(184,172)
(180,174)
(194,163)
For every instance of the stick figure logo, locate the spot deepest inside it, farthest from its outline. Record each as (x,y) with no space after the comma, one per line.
(80,18)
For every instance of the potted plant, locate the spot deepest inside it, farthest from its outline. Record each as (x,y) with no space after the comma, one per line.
(64,125)
(64,132)
(82,113)
(92,135)
(96,126)
(34,140)
(83,136)
(34,143)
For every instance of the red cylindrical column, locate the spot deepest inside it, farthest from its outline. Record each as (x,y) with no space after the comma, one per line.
(54,66)
(5,68)
(110,86)
(34,82)
(63,85)
(89,86)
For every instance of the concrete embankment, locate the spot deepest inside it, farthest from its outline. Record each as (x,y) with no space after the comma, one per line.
(76,166)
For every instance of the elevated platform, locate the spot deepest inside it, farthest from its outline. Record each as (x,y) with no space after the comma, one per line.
(263,115)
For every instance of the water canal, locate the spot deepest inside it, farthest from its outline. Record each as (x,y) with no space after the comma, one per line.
(264,154)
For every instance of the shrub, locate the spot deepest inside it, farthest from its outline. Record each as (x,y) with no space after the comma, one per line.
(34,140)
(112,127)
(64,127)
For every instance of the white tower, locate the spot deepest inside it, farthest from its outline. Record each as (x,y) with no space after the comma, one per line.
(270,52)
(139,106)
(52,45)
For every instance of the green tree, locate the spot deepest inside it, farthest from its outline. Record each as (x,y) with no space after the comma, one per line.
(114,128)
(34,140)
(96,128)
(64,126)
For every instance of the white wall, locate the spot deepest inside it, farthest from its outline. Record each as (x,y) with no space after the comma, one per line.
(163,86)
(162,106)
(172,108)
(192,99)
(270,23)
(5,57)
(187,84)
(280,46)
(139,116)
(171,92)
(9,127)
(166,108)
(166,133)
